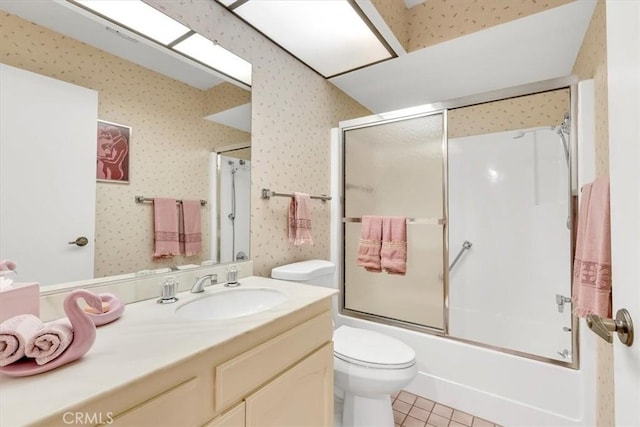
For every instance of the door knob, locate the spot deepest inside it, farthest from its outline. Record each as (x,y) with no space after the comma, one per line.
(603,327)
(80,241)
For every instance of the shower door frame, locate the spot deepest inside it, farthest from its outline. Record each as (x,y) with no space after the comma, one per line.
(442,107)
(394,117)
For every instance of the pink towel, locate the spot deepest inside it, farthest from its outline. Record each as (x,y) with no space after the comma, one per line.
(394,245)
(370,244)
(190,229)
(165,223)
(300,219)
(50,341)
(15,332)
(592,264)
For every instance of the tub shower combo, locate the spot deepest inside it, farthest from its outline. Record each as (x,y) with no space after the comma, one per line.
(488,186)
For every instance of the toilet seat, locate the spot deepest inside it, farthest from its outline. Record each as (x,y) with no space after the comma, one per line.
(371,349)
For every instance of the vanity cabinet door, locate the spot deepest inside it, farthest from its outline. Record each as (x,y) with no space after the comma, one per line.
(180,406)
(232,418)
(302,396)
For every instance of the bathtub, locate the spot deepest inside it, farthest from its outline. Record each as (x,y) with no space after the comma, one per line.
(506,389)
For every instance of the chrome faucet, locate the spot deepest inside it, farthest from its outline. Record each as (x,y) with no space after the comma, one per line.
(200,283)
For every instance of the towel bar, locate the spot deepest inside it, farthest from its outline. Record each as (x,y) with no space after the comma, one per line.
(267,194)
(142,199)
(428,221)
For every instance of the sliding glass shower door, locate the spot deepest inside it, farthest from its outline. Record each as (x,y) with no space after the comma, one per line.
(396,168)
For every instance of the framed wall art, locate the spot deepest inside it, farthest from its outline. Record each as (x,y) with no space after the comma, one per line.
(113,152)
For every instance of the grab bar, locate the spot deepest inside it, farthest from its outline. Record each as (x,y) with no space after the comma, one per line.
(465,245)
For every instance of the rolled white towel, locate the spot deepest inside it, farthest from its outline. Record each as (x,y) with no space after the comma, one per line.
(15,332)
(50,341)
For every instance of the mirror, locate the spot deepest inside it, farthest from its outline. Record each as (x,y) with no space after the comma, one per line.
(174,129)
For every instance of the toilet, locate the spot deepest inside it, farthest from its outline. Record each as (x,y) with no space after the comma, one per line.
(368,366)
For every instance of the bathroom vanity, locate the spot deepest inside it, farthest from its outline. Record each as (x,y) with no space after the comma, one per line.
(153,368)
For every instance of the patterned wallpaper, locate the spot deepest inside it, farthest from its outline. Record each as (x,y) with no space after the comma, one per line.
(541,109)
(394,13)
(436,21)
(293,110)
(592,64)
(170,141)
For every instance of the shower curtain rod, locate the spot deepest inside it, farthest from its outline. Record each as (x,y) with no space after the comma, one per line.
(267,194)
(142,199)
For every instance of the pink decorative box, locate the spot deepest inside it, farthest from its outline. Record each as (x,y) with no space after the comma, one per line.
(19,298)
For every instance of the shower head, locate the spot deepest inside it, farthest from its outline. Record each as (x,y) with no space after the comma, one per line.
(561,130)
(521,133)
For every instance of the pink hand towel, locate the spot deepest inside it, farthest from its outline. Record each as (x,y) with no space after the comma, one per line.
(370,244)
(190,228)
(165,223)
(300,219)
(592,263)
(15,332)
(393,255)
(50,341)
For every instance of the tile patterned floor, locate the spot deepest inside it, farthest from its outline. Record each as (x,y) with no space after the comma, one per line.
(410,410)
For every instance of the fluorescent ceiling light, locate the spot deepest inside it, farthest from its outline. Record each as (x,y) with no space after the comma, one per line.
(209,53)
(140,17)
(327,35)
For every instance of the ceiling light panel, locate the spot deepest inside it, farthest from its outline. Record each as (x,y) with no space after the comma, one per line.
(209,53)
(140,17)
(327,35)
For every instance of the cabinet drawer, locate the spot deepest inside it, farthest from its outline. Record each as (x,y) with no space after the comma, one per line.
(243,374)
(179,406)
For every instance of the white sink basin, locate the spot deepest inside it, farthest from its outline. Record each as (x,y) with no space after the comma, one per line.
(232,303)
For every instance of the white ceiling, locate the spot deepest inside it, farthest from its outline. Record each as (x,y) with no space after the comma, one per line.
(530,49)
(237,117)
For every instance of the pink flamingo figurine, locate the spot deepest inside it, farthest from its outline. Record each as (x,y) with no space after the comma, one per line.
(84,334)
(7,265)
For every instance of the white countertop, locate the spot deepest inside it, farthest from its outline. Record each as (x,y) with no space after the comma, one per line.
(148,337)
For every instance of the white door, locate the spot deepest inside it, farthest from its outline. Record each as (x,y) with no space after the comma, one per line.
(623,68)
(47,176)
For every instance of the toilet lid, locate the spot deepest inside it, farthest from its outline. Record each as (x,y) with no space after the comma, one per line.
(371,349)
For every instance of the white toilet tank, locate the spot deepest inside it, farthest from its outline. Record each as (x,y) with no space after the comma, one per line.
(312,272)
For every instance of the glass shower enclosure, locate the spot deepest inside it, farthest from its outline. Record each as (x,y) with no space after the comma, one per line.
(486,190)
